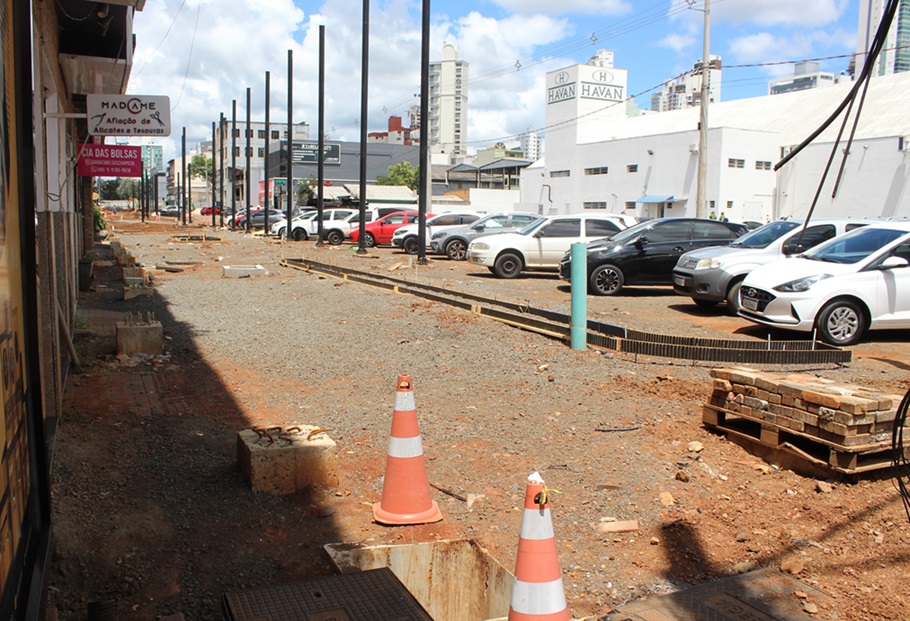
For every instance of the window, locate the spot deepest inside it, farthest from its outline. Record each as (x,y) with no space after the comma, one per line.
(711,204)
(729,204)
(237,151)
(248,151)
(672,231)
(630,206)
(447,220)
(520,221)
(235,133)
(712,230)
(595,205)
(600,170)
(276,134)
(760,165)
(632,168)
(261,134)
(600,228)
(249,133)
(735,163)
(261,151)
(560,173)
(569,227)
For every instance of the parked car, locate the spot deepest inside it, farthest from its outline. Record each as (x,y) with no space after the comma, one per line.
(453,242)
(539,246)
(380,231)
(406,237)
(712,275)
(330,217)
(298,226)
(172,211)
(340,229)
(208,209)
(855,282)
(646,253)
(257,218)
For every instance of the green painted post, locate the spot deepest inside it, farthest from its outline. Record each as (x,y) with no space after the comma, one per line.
(579,330)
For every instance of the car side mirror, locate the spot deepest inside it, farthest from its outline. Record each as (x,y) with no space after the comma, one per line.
(538,234)
(791,248)
(479,227)
(892,262)
(641,241)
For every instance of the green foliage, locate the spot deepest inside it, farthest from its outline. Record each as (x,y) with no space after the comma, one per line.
(401,173)
(200,167)
(306,189)
(108,190)
(100,223)
(127,188)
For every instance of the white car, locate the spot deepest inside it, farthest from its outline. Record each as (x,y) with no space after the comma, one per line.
(855,282)
(298,226)
(406,237)
(541,245)
(335,231)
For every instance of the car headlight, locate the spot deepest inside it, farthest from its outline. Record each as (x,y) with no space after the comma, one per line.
(801,284)
(439,235)
(709,263)
(479,246)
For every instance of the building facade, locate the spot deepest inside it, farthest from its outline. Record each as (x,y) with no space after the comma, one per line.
(448,105)
(806,75)
(895,56)
(685,91)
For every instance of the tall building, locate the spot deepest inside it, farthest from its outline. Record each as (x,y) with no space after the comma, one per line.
(396,133)
(895,55)
(806,75)
(685,91)
(448,105)
(530,145)
(153,157)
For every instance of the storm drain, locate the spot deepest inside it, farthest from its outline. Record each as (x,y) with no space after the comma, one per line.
(454,580)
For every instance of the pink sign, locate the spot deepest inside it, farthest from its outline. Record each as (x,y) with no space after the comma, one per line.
(108,160)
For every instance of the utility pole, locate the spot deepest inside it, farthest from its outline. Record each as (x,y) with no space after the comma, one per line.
(701,207)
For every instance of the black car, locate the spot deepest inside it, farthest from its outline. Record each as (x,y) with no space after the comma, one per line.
(645,254)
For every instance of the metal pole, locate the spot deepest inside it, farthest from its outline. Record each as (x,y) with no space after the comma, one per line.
(290,141)
(578,332)
(234,166)
(220,169)
(320,181)
(265,161)
(179,198)
(364,98)
(142,195)
(183,170)
(214,152)
(701,208)
(155,189)
(425,179)
(247,174)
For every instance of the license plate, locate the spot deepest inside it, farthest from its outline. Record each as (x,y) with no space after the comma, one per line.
(750,303)
(679,281)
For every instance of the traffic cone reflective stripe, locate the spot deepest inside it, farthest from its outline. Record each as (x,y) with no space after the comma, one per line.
(406,487)
(538,592)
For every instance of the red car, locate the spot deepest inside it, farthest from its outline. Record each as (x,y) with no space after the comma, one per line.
(380,231)
(207,211)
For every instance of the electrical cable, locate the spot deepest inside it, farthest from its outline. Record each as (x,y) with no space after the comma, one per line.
(189,58)
(901,460)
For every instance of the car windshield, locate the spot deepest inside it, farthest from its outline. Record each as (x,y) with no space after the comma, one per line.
(533,226)
(762,237)
(854,246)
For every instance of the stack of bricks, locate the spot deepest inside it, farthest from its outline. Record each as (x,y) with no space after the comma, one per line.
(847,416)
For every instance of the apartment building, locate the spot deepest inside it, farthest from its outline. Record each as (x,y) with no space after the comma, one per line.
(895,56)
(684,91)
(448,105)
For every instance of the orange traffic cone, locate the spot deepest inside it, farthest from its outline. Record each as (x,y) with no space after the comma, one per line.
(406,488)
(537,594)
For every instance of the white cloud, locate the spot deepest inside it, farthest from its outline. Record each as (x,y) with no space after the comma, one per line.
(806,13)
(566,7)
(678,42)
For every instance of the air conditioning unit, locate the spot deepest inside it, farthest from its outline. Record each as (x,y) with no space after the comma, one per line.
(693,148)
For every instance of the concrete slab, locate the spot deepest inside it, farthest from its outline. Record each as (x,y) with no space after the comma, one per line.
(140,338)
(284,460)
(242,271)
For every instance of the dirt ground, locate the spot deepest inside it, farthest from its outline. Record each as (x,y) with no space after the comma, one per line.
(152,514)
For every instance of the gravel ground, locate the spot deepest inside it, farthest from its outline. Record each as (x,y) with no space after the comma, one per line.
(151,512)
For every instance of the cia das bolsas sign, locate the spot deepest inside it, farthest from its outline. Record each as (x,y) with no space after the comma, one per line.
(128,115)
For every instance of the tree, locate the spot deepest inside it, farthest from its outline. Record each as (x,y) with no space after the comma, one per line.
(306,190)
(401,173)
(127,188)
(108,190)
(200,167)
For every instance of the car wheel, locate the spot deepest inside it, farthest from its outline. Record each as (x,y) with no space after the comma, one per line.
(704,303)
(410,245)
(733,297)
(334,237)
(299,234)
(841,322)
(368,240)
(281,232)
(457,250)
(508,265)
(606,280)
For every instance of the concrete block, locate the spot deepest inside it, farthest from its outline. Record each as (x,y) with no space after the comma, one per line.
(134,292)
(140,338)
(242,271)
(286,460)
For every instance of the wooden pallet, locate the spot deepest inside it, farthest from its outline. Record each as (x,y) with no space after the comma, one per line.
(815,451)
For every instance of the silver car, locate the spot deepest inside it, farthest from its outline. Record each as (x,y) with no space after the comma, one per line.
(454,242)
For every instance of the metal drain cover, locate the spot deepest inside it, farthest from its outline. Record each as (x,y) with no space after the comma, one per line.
(361,596)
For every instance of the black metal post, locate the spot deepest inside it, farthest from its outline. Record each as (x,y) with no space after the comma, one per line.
(179,198)
(364,98)
(290,142)
(425,181)
(220,169)
(320,181)
(266,202)
(155,192)
(183,169)
(234,166)
(142,195)
(247,175)
(213,174)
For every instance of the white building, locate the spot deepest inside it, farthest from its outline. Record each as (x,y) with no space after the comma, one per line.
(530,145)
(685,91)
(806,75)
(895,55)
(597,158)
(448,105)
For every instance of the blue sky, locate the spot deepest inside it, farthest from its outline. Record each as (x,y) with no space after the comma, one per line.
(205,53)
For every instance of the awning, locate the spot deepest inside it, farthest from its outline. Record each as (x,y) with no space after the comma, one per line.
(652,198)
